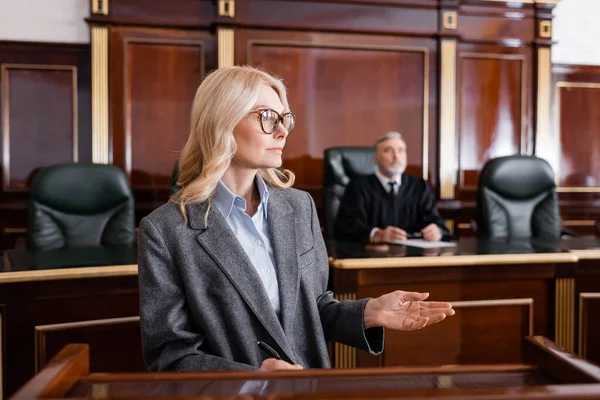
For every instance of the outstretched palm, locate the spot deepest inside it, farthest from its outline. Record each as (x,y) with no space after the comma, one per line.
(407,311)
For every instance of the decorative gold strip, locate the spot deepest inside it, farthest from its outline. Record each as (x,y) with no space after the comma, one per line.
(498,303)
(68,273)
(455,261)
(345,356)
(14,230)
(100,150)
(40,330)
(5,100)
(582,348)
(557,109)
(225,40)
(564,329)
(579,223)
(426,80)
(464,225)
(227,8)
(449,20)
(448,119)
(450,226)
(546,29)
(543,140)
(586,254)
(100,7)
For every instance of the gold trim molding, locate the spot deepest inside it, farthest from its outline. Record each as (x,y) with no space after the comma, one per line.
(69,273)
(225,43)
(448,119)
(100,7)
(582,337)
(227,8)
(5,100)
(498,303)
(449,20)
(455,261)
(557,109)
(526,1)
(546,29)
(543,147)
(40,331)
(345,356)
(100,148)
(564,329)
(415,49)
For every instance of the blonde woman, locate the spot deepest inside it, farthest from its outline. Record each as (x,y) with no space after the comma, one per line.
(233,270)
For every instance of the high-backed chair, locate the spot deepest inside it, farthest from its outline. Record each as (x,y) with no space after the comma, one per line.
(80,205)
(516,198)
(340,165)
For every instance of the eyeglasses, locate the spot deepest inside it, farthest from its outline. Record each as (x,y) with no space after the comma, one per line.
(270,119)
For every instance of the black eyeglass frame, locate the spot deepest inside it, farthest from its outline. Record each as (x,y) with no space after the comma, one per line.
(279,120)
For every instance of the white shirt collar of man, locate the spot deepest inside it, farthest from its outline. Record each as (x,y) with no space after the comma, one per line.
(385,180)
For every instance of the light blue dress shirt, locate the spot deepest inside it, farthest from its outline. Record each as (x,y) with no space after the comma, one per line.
(252,233)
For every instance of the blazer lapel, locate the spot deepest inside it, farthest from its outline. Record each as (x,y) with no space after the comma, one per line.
(280,217)
(218,241)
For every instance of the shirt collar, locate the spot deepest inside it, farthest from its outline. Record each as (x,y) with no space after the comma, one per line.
(225,199)
(384,179)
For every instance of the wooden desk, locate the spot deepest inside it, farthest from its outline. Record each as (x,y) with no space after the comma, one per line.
(546,372)
(501,291)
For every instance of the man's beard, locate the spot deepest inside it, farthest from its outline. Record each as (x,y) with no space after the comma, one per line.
(394,171)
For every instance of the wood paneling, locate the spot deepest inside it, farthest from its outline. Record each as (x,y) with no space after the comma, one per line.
(589,310)
(389,17)
(496,306)
(577,143)
(31,304)
(184,13)
(498,326)
(154,76)
(109,340)
(493,110)
(349,91)
(39,112)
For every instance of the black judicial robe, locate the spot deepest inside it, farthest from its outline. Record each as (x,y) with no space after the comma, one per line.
(367,205)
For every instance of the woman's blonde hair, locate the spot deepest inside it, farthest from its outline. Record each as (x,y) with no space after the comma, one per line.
(224,97)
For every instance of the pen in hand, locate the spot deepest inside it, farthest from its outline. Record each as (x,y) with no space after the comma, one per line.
(269,350)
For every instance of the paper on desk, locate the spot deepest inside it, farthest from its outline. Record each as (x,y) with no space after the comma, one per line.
(424,244)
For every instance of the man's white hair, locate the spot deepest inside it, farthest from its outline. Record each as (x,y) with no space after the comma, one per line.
(389,135)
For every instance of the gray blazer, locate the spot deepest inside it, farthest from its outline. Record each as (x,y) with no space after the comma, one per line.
(203,306)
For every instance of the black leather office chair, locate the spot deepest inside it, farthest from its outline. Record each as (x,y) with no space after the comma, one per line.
(340,165)
(80,205)
(516,198)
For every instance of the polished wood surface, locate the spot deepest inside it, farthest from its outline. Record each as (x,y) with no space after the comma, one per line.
(493,107)
(576,95)
(59,376)
(52,92)
(568,377)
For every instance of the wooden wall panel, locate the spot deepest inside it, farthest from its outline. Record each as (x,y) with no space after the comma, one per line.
(577,97)
(493,110)
(39,120)
(347,92)
(589,326)
(154,76)
(109,340)
(158,96)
